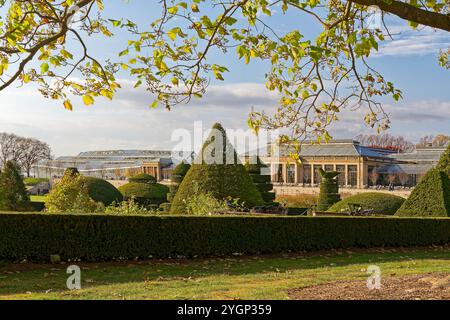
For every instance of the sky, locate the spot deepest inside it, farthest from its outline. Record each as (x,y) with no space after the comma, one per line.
(127,122)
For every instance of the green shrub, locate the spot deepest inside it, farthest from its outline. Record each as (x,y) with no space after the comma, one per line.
(128,207)
(142,178)
(431,197)
(298,201)
(214,174)
(262,182)
(71,194)
(180,171)
(444,161)
(380,203)
(178,174)
(145,193)
(31,182)
(13,194)
(102,191)
(37,206)
(329,190)
(106,237)
(204,203)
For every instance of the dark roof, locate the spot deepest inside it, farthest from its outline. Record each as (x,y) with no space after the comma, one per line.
(409,168)
(333,148)
(421,155)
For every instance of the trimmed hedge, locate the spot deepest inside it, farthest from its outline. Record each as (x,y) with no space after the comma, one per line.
(381,203)
(101,237)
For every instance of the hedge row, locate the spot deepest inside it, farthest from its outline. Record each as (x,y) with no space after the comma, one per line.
(102,237)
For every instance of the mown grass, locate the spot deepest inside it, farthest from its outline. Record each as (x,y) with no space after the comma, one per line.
(38,198)
(255,277)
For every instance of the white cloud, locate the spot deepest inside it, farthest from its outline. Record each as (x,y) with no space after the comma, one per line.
(408,41)
(127,122)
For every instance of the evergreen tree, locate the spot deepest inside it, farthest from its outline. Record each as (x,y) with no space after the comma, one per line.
(13,192)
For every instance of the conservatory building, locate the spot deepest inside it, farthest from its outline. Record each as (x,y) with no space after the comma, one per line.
(115,164)
(359,166)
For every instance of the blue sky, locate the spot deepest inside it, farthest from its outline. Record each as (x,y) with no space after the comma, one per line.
(410,61)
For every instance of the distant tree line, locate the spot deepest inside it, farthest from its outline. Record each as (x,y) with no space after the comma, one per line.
(399,143)
(441,140)
(386,141)
(24,152)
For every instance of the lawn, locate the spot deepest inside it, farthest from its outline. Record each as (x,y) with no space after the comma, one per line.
(38,198)
(253,277)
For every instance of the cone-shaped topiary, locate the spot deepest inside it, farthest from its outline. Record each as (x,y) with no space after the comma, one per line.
(444,161)
(178,174)
(262,182)
(13,194)
(144,190)
(431,197)
(217,171)
(329,190)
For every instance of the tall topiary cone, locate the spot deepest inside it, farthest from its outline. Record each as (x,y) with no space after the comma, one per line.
(431,197)
(329,190)
(444,161)
(178,174)
(217,171)
(262,182)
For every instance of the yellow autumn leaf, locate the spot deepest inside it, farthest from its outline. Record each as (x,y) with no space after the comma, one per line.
(68,105)
(88,100)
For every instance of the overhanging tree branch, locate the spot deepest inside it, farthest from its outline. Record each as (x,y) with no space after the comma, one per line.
(411,13)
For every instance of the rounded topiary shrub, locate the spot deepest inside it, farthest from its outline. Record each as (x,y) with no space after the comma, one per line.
(145,193)
(380,203)
(102,191)
(142,178)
